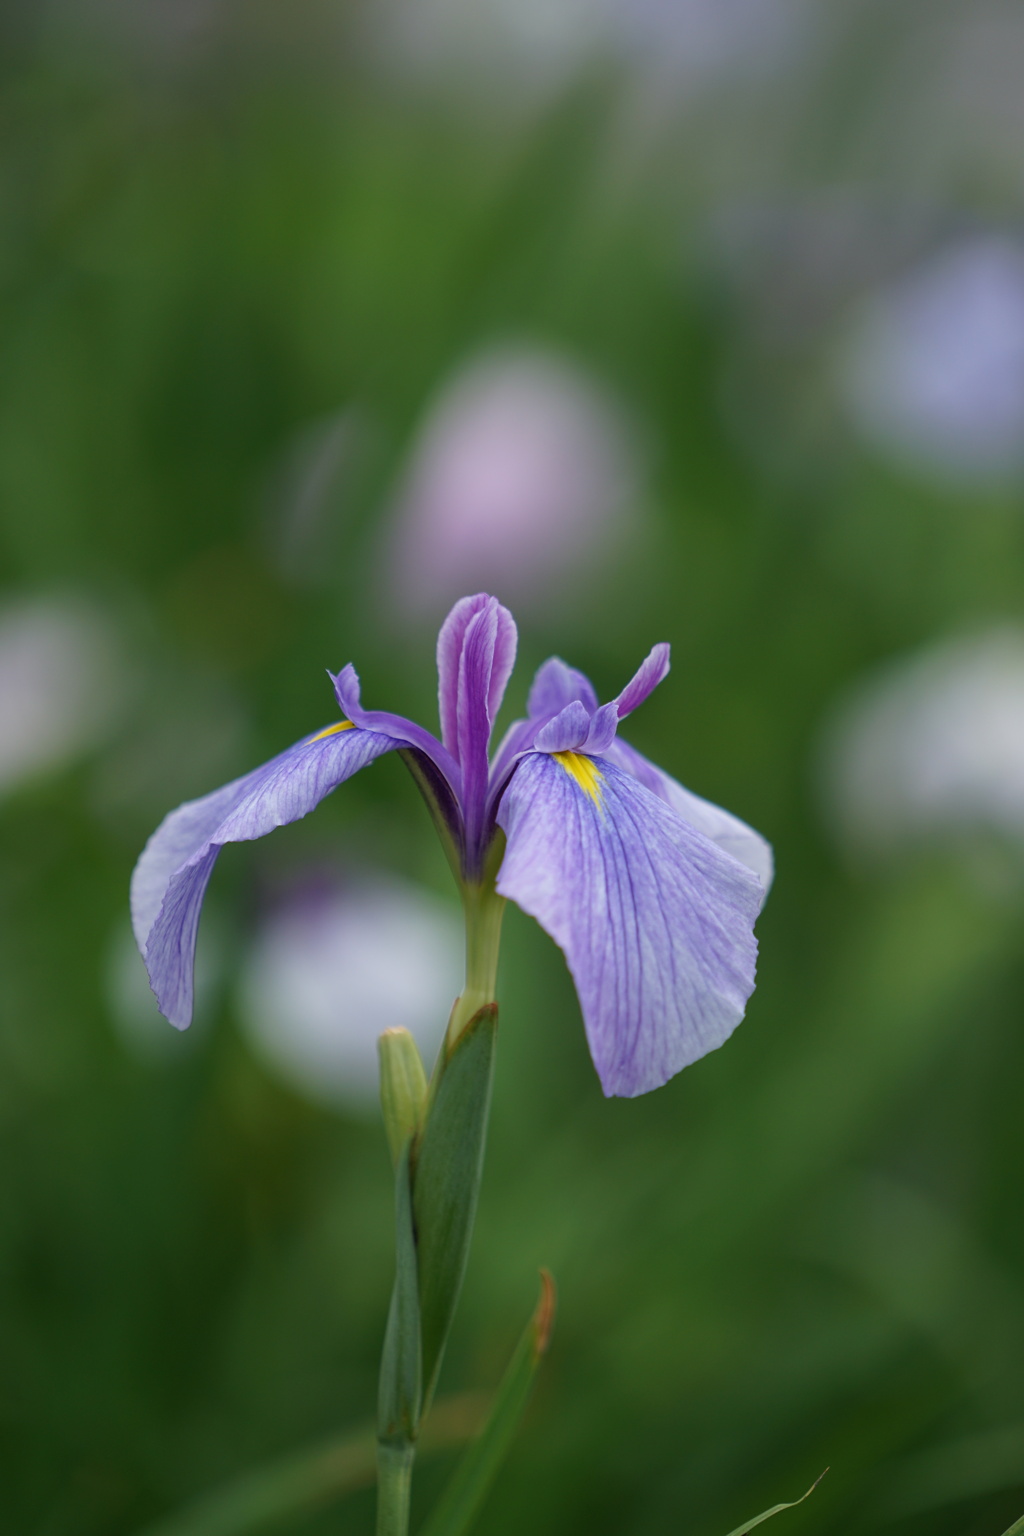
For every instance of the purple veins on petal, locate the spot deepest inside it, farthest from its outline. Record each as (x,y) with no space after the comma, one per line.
(728,832)
(557,685)
(652,671)
(171,876)
(655,920)
(493,647)
(567,731)
(404,732)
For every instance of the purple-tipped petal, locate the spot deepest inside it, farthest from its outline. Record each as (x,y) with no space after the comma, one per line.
(556,685)
(655,921)
(567,731)
(404,732)
(171,876)
(652,670)
(491,677)
(727,831)
(602,730)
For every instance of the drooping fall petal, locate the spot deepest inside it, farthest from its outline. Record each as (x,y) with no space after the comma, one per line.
(730,833)
(655,920)
(171,876)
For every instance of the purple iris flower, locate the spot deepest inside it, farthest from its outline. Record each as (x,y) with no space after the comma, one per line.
(651,892)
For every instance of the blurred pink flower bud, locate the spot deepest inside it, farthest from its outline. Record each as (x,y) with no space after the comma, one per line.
(524,472)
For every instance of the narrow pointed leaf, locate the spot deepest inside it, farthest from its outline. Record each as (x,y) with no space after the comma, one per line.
(401,1380)
(447,1182)
(1017,1528)
(462,1500)
(741,1530)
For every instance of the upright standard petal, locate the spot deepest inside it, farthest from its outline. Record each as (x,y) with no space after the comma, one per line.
(655,921)
(494,641)
(556,685)
(171,876)
(727,831)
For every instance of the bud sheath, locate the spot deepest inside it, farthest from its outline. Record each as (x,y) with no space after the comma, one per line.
(403,1088)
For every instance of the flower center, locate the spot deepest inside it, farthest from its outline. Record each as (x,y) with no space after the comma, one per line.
(584,770)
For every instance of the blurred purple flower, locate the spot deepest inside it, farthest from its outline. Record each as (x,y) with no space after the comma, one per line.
(523,462)
(651,892)
(934,370)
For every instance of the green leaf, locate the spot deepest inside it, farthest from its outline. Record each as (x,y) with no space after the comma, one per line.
(447,1181)
(741,1530)
(465,1494)
(401,1379)
(1017,1528)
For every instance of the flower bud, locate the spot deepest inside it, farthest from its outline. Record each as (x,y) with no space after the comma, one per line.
(403,1088)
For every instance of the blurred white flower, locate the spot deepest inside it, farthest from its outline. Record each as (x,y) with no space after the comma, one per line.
(934,369)
(697,40)
(934,745)
(541,42)
(524,471)
(62,680)
(335,966)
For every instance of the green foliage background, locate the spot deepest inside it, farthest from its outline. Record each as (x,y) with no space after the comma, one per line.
(806,1250)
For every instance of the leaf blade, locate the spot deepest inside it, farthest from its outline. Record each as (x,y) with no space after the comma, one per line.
(462,1499)
(449,1165)
(776,1509)
(400,1394)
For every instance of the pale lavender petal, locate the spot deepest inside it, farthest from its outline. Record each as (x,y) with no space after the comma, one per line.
(652,671)
(171,876)
(518,738)
(450,646)
(602,730)
(556,685)
(405,732)
(506,640)
(567,731)
(729,832)
(656,922)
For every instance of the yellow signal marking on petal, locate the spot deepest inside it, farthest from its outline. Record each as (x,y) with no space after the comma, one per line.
(332,730)
(584,770)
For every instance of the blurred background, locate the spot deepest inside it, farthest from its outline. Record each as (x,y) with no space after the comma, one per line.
(694,320)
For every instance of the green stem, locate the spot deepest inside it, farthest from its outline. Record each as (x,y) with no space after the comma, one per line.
(484,910)
(455,1194)
(394,1487)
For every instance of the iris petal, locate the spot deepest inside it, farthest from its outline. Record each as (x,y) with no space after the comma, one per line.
(651,671)
(170,878)
(555,685)
(656,921)
(566,731)
(491,672)
(730,833)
